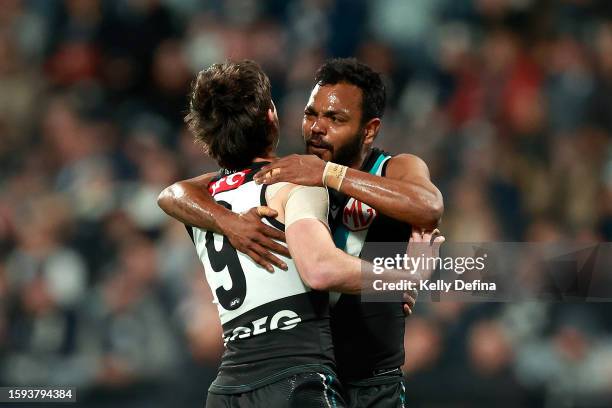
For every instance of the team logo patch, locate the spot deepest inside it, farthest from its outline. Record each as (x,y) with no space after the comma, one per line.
(230,182)
(357,216)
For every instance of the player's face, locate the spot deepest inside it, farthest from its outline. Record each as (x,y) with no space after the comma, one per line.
(332,126)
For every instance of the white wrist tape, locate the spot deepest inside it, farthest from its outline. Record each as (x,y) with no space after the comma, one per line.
(333,175)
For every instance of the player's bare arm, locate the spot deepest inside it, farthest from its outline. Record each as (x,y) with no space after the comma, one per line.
(325,267)
(190,202)
(320,263)
(406,193)
(183,202)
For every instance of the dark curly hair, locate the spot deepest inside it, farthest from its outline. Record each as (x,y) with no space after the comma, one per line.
(351,71)
(227,112)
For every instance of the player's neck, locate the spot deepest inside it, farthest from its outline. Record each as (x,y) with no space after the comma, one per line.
(265,158)
(360,159)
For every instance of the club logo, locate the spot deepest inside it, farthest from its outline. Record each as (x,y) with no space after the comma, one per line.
(230,182)
(357,216)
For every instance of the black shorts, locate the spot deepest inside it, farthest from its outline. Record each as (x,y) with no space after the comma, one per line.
(304,390)
(377,392)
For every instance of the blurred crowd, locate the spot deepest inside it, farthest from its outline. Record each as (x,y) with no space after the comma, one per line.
(508,101)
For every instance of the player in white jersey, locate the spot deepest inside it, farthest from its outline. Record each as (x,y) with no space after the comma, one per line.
(276,327)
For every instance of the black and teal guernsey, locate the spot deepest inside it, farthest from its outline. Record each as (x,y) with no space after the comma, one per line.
(368,337)
(274,326)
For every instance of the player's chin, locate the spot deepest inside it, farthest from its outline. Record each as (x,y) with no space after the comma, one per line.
(321,153)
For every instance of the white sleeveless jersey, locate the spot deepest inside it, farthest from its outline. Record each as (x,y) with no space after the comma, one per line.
(238,283)
(271,321)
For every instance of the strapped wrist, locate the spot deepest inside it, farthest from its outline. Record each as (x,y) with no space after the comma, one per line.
(333,175)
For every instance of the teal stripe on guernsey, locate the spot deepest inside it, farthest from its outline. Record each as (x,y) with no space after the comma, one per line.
(341,233)
(376,165)
(341,236)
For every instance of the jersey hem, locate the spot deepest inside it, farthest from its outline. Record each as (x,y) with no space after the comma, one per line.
(238,389)
(376,380)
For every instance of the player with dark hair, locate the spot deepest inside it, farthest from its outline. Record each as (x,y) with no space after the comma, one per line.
(377,197)
(379,200)
(228,113)
(275,326)
(372,106)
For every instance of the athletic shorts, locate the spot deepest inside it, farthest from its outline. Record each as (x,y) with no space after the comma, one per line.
(388,391)
(304,390)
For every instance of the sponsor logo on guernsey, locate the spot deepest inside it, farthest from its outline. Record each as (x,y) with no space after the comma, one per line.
(283,320)
(357,216)
(230,182)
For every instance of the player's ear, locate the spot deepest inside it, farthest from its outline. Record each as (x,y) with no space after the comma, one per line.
(371,130)
(271,115)
(272,120)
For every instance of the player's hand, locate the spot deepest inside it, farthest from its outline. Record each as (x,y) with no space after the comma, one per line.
(409,301)
(305,170)
(250,235)
(425,243)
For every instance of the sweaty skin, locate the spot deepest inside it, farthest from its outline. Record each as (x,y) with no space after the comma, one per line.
(189,202)
(321,265)
(332,121)
(405,193)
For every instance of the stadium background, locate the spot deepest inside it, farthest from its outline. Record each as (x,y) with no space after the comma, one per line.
(508,101)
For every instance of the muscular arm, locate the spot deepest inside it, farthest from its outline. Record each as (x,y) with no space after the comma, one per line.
(190,202)
(405,194)
(320,264)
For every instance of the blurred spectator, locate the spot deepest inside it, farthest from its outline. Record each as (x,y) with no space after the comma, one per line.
(138,345)
(509,102)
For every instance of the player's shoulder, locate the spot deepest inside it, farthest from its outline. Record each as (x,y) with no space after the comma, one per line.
(306,191)
(406,158)
(404,164)
(284,190)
